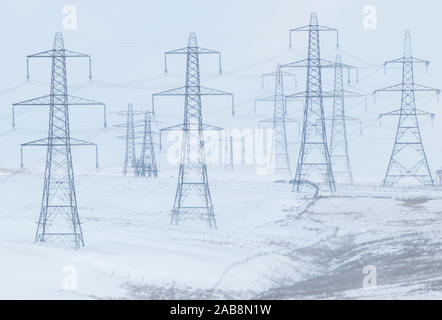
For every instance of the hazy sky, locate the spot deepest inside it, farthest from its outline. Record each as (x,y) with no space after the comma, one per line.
(127,39)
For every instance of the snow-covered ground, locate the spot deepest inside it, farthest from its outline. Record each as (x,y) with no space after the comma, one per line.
(270,243)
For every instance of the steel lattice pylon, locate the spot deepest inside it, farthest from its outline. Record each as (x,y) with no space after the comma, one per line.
(193,194)
(314,163)
(148,163)
(279,152)
(130,159)
(59,213)
(279,145)
(338,141)
(408,158)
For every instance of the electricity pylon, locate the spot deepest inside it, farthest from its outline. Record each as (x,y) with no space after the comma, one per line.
(193,194)
(130,159)
(59,213)
(148,164)
(314,163)
(408,160)
(130,138)
(339,154)
(279,153)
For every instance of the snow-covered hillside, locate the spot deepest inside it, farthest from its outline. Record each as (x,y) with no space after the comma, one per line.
(270,243)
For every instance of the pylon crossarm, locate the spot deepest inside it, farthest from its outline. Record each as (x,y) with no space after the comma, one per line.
(46,101)
(214,92)
(274,74)
(79,142)
(75,54)
(172,92)
(304,63)
(317,27)
(399,112)
(40,101)
(39,142)
(51,53)
(413,87)
(43,54)
(72,101)
(408,59)
(182,92)
(397,87)
(283,73)
(308,27)
(304,94)
(391,113)
(419,87)
(331,64)
(424,113)
(178,51)
(186,51)
(196,50)
(204,91)
(349,93)
(207,51)
(297,64)
(44,142)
